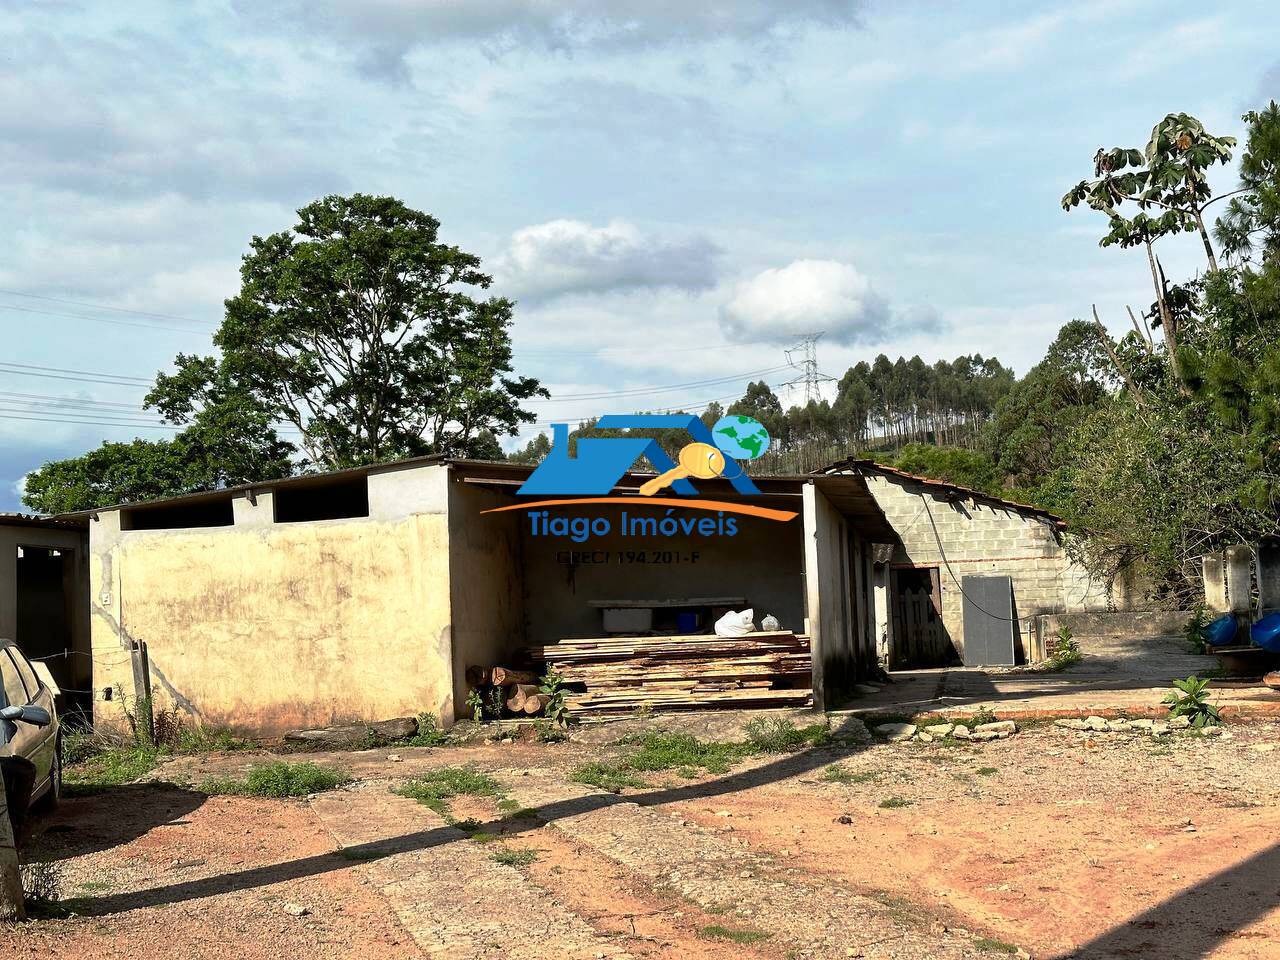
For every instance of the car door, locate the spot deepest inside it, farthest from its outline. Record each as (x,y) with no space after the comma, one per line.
(39,695)
(26,740)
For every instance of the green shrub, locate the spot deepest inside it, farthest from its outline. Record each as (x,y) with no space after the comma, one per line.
(1190,698)
(429,733)
(279,779)
(1194,630)
(552,685)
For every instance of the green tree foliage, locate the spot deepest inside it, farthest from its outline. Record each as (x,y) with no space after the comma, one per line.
(360,328)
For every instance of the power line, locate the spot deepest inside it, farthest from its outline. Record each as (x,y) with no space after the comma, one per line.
(100,306)
(112,320)
(663,389)
(61,373)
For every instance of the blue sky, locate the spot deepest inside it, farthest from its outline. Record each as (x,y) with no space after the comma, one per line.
(670,190)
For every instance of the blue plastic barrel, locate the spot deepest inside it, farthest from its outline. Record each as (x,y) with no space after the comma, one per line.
(1221,632)
(1266,633)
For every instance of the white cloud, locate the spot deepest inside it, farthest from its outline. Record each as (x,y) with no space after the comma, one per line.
(387,30)
(569,256)
(812,296)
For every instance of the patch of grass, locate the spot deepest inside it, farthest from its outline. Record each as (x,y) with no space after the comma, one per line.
(991,945)
(660,750)
(779,735)
(360,854)
(479,836)
(105,768)
(614,777)
(742,937)
(892,803)
(986,771)
(838,774)
(436,788)
(278,780)
(514,858)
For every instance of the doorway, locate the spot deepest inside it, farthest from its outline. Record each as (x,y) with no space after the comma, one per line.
(46,611)
(920,637)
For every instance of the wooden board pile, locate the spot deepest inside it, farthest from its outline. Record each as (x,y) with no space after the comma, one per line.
(621,674)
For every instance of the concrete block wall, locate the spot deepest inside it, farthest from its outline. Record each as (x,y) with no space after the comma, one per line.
(982,538)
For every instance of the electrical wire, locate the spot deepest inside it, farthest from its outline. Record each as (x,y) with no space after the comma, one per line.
(124,323)
(30,369)
(947,563)
(100,306)
(662,389)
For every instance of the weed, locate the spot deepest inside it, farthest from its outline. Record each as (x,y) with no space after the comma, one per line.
(514,858)
(778,735)
(613,777)
(660,750)
(552,685)
(984,715)
(279,779)
(42,882)
(109,768)
(741,937)
(544,731)
(436,788)
(1194,630)
(475,703)
(1190,698)
(838,774)
(482,837)
(892,803)
(986,771)
(429,733)
(1066,653)
(991,945)
(466,825)
(361,854)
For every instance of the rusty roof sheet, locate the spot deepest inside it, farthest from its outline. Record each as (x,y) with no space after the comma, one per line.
(860,464)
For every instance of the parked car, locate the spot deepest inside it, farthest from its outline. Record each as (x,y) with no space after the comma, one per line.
(30,737)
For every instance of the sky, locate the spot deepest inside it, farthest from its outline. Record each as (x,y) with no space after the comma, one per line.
(672,192)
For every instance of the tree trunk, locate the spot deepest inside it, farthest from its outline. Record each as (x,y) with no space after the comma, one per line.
(1166,319)
(1208,247)
(12,905)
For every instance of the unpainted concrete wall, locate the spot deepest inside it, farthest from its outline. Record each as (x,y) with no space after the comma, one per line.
(981,538)
(268,627)
(76,670)
(486,583)
(763,563)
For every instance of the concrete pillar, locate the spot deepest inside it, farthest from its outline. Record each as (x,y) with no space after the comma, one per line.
(247,513)
(1239,593)
(1215,582)
(1269,575)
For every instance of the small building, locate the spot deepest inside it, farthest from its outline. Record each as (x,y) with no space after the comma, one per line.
(948,532)
(44,593)
(367,593)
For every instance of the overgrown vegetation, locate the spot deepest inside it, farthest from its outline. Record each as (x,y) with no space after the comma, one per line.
(555,712)
(1194,631)
(1190,698)
(280,779)
(1066,652)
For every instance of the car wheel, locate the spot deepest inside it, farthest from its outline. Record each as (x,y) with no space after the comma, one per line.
(54,793)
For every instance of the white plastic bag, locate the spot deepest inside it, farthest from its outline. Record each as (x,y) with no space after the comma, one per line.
(770,623)
(736,623)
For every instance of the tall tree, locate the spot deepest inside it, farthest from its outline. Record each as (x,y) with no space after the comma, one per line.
(360,328)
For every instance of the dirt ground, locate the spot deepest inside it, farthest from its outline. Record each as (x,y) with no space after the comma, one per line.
(1054,843)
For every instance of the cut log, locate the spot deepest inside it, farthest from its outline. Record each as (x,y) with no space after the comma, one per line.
(536,704)
(505,676)
(520,692)
(478,676)
(355,734)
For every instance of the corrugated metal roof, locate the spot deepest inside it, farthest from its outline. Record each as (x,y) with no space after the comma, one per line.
(32,520)
(856,463)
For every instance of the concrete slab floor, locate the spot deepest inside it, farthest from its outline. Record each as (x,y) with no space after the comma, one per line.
(1116,675)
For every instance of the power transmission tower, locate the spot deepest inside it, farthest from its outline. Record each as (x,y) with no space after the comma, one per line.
(807,364)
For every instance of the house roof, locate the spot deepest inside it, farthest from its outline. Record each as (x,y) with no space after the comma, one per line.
(31,520)
(944,488)
(852,496)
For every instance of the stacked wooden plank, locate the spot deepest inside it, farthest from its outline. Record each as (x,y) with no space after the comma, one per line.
(621,674)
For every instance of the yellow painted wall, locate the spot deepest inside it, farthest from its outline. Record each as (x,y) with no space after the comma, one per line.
(272,627)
